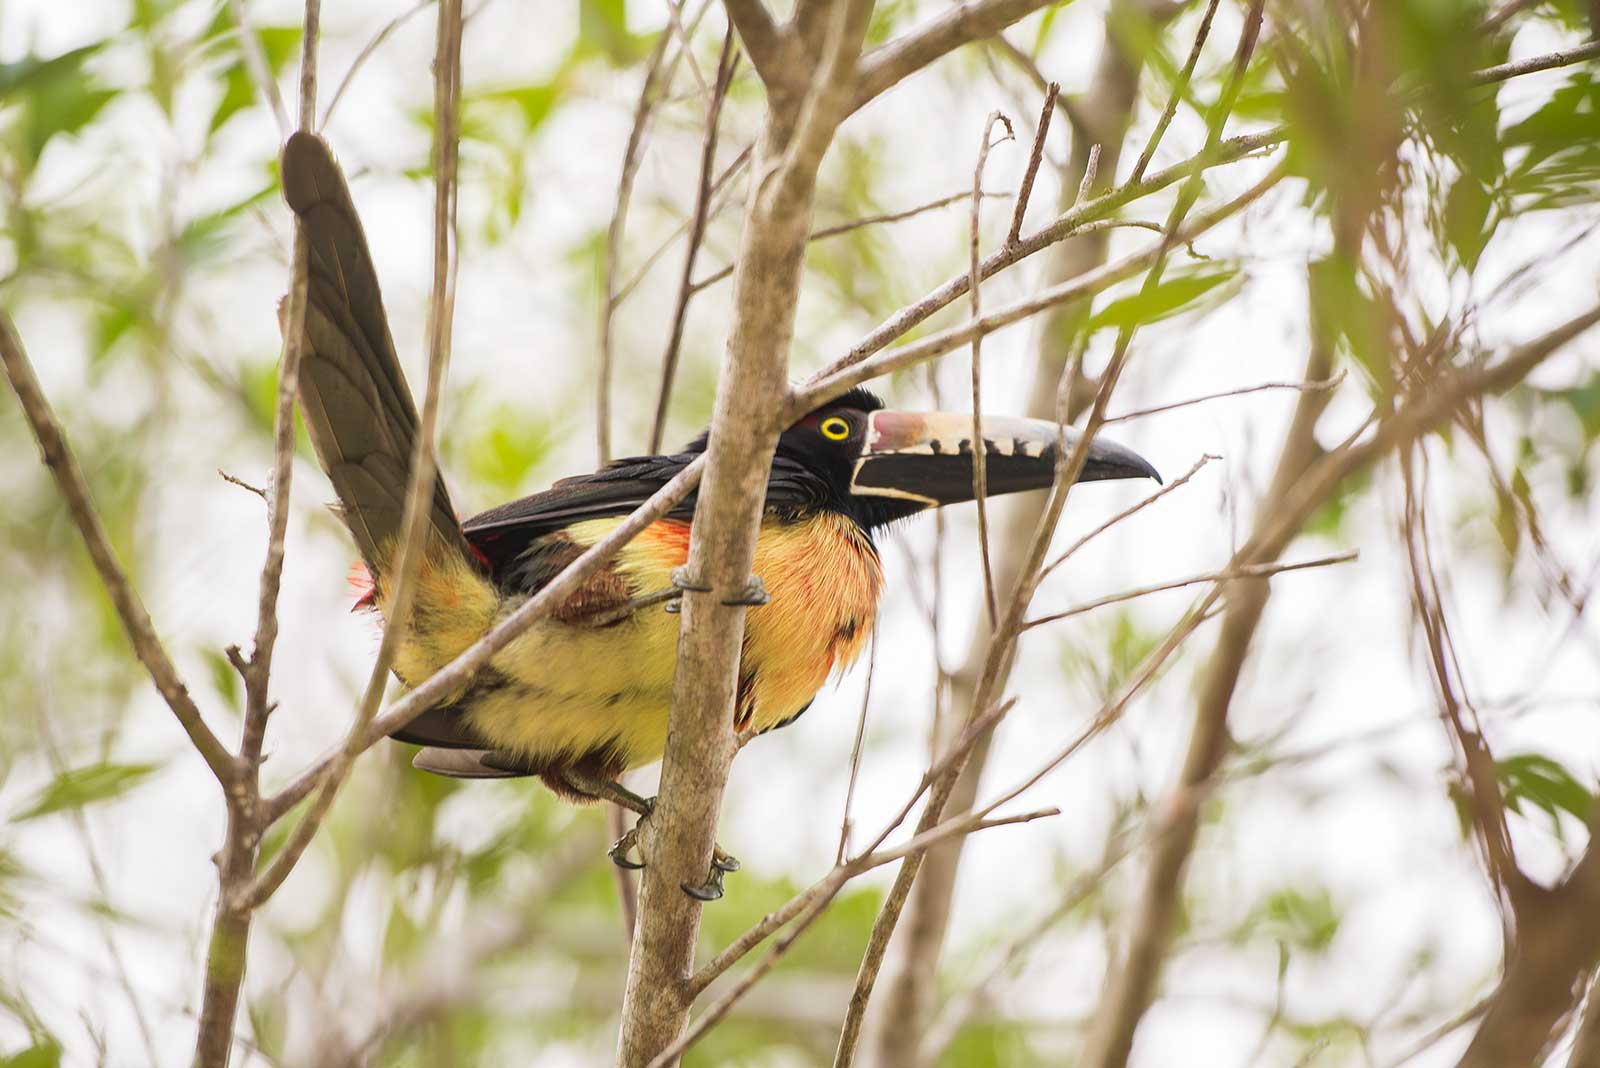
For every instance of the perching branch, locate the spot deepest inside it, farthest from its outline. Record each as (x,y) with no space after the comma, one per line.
(886,66)
(677,843)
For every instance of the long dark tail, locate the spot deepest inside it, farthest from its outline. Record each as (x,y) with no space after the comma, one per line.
(357,407)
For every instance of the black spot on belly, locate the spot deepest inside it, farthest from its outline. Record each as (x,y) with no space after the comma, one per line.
(791,719)
(848,630)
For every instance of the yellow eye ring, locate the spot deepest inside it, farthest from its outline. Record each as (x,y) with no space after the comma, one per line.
(834,428)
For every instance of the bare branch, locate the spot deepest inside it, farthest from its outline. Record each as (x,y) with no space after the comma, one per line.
(366,53)
(255,61)
(855,751)
(678,838)
(1225,575)
(415,517)
(1138,506)
(242,484)
(1566,57)
(1025,190)
(649,94)
(1304,387)
(762,39)
(135,620)
(885,66)
(824,385)
(726,65)
(980,477)
(1178,89)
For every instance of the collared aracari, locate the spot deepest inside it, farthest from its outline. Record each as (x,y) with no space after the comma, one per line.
(583,695)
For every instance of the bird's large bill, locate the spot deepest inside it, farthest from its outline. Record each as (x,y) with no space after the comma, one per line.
(927,456)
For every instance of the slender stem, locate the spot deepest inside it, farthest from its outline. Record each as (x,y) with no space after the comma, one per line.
(141,632)
(726,65)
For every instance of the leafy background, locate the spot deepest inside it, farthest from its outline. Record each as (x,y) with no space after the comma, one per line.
(1334,913)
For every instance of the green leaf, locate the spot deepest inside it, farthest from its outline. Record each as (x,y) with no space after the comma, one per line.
(1537,780)
(1466,219)
(603,31)
(1167,299)
(47,1054)
(1303,919)
(278,45)
(223,677)
(78,787)
(52,96)
(1341,309)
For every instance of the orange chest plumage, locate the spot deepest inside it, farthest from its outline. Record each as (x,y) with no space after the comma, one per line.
(824,579)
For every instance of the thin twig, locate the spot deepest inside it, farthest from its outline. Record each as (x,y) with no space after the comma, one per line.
(631,156)
(1549,61)
(1137,506)
(130,610)
(897,216)
(980,474)
(1178,89)
(1303,387)
(857,224)
(726,64)
(855,751)
(255,61)
(1025,190)
(366,53)
(415,517)
(242,484)
(1225,575)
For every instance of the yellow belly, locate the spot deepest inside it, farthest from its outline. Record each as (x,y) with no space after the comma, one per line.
(565,690)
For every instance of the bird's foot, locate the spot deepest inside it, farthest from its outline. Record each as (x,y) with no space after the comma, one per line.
(711,889)
(623,846)
(682,580)
(753,595)
(722,862)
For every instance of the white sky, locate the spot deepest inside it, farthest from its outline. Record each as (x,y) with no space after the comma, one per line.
(1336,667)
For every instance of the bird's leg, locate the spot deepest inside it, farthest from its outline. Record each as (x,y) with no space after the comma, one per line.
(603,789)
(754,594)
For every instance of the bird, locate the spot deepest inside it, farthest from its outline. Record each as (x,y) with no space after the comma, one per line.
(583,695)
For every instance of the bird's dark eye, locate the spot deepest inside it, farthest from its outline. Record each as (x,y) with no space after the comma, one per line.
(834,428)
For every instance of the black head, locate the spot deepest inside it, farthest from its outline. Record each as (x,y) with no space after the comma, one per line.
(877,465)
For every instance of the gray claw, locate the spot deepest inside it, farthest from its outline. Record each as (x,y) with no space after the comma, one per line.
(681,580)
(754,594)
(710,890)
(621,847)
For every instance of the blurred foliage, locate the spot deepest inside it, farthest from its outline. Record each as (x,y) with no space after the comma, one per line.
(135,174)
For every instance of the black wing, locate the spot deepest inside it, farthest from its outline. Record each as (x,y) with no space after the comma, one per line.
(504,534)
